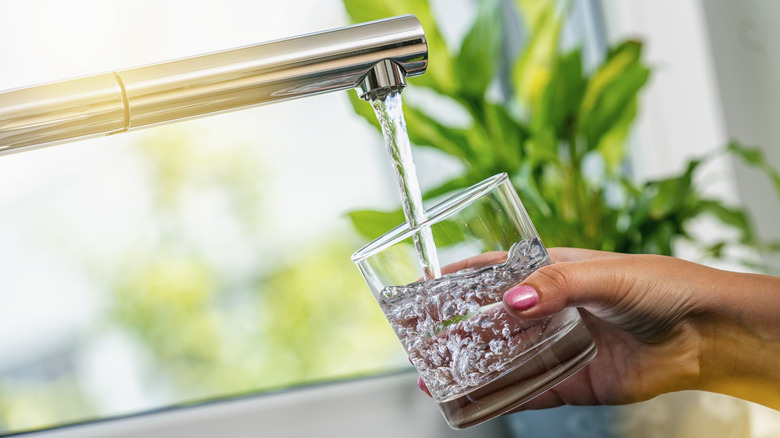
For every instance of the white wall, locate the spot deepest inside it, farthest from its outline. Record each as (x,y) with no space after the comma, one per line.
(715,65)
(745,41)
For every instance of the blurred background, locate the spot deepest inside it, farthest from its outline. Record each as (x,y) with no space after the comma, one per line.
(209,259)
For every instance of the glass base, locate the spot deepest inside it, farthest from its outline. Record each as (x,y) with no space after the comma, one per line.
(529,378)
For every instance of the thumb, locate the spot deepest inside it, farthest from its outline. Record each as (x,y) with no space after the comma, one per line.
(552,288)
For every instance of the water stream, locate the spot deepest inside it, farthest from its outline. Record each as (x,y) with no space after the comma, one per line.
(389,111)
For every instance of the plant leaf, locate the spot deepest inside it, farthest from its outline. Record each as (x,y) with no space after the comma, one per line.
(506,137)
(756,158)
(476,63)
(528,191)
(533,12)
(734,217)
(533,68)
(372,223)
(671,194)
(561,99)
(612,144)
(423,130)
(448,233)
(450,186)
(611,92)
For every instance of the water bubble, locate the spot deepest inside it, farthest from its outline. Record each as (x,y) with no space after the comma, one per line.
(460,354)
(497,346)
(448,310)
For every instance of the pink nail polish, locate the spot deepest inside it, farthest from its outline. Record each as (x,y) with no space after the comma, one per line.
(422,386)
(521,297)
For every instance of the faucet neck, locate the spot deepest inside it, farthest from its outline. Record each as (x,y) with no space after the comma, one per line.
(375,57)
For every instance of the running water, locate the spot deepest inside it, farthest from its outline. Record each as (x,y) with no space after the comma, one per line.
(389,111)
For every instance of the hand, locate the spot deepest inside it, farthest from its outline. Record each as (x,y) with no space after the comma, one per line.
(660,324)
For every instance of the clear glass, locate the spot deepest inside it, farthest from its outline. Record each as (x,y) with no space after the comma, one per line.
(477,361)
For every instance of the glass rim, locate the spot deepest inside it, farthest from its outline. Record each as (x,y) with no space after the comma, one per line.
(441,210)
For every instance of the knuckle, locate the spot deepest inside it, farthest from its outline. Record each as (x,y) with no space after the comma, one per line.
(553,278)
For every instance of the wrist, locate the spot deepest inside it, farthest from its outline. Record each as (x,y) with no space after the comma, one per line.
(740,338)
(736,362)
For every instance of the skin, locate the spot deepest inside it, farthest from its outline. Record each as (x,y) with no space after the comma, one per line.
(661,324)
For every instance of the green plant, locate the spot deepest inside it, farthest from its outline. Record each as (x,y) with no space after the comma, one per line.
(561,135)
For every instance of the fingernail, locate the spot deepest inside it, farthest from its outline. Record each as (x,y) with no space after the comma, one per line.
(422,386)
(521,297)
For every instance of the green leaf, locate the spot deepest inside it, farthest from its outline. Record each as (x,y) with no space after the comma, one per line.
(534,13)
(750,155)
(542,148)
(448,233)
(372,223)
(561,99)
(507,137)
(556,231)
(611,94)
(532,70)
(755,157)
(453,185)
(612,144)
(727,215)
(529,193)
(476,63)
(671,194)
(618,60)
(426,131)
(438,75)
(639,205)
(660,242)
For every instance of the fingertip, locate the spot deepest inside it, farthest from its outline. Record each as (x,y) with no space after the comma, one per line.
(533,299)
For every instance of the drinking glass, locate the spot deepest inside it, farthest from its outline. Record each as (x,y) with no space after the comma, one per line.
(477,360)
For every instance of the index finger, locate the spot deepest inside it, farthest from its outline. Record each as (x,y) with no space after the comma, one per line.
(560,255)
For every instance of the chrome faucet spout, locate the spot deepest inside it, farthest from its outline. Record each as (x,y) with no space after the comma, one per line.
(376,58)
(385,77)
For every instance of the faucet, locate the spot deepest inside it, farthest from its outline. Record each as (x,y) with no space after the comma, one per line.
(375,58)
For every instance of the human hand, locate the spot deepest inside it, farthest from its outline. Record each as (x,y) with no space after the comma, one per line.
(661,324)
